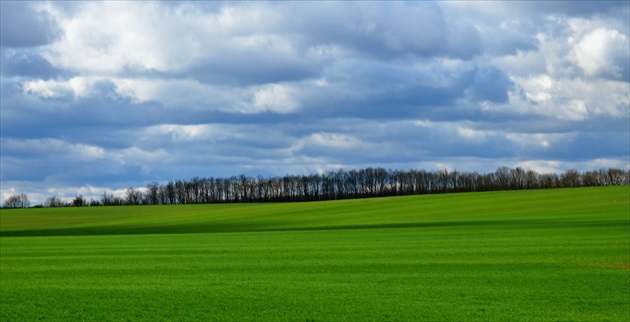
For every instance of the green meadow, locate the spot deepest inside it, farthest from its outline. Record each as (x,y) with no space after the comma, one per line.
(561,254)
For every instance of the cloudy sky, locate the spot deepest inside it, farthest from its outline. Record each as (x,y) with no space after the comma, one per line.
(101,96)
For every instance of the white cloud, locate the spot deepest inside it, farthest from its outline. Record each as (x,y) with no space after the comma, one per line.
(334,140)
(191,94)
(540,141)
(575,110)
(207,133)
(113,38)
(83,86)
(540,88)
(555,166)
(176,93)
(46,89)
(108,37)
(576,73)
(138,156)
(572,99)
(39,192)
(541,166)
(603,163)
(183,132)
(53,147)
(8,192)
(471,134)
(603,52)
(76,87)
(424,123)
(274,98)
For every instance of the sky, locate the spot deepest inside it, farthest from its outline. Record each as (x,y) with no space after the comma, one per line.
(101,96)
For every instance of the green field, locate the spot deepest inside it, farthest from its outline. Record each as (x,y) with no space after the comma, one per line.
(560,254)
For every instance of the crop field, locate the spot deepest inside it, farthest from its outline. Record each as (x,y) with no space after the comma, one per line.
(561,254)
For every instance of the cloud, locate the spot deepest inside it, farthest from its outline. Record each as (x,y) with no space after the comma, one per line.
(183,38)
(46,89)
(170,92)
(24,24)
(130,41)
(603,52)
(491,84)
(25,63)
(573,8)
(145,38)
(53,147)
(335,141)
(181,133)
(569,99)
(274,98)
(116,94)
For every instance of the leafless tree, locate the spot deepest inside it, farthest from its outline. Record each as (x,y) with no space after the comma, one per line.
(79,201)
(54,202)
(17,201)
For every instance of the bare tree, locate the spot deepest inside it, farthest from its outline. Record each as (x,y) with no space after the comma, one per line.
(519,178)
(503,177)
(133,196)
(17,201)
(111,200)
(344,184)
(79,201)
(615,177)
(54,202)
(153,193)
(591,179)
(570,178)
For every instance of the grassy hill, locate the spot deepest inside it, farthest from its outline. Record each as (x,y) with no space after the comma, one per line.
(515,255)
(504,207)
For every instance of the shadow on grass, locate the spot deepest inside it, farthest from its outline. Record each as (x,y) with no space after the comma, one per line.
(240,227)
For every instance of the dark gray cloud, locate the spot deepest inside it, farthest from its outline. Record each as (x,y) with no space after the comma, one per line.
(252,68)
(574,8)
(491,84)
(21,25)
(25,63)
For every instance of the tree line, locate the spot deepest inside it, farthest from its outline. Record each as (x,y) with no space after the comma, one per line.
(340,184)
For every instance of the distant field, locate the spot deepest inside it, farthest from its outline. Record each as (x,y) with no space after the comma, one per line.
(559,254)
(505,207)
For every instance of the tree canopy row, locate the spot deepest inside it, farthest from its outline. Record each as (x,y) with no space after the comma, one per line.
(341,184)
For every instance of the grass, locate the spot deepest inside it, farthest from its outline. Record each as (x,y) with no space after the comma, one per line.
(517,255)
(605,203)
